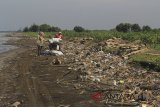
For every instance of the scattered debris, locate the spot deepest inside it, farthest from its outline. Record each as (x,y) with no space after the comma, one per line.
(16,104)
(64,106)
(52,52)
(56,61)
(110,71)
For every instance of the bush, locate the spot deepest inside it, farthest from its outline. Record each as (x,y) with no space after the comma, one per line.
(34,28)
(135,28)
(44,27)
(26,29)
(78,29)
(123,27)
(146,28)
(54,29)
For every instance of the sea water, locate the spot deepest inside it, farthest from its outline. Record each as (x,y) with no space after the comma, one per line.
(3,40)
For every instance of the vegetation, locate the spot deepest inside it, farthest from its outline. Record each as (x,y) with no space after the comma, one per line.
(123,27)
(135,28)
(148,61)
(127,27)
(126,31)
(151,38)
(42,27)
(146,28)
(26,29)
(78,29)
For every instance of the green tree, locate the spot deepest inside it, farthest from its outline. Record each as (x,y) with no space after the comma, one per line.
(57,29)
(123,27)
(44,27)
(54,29)
(119,27)
(26,29)
(78,29)
(135,28)
(34,28)
(146,28)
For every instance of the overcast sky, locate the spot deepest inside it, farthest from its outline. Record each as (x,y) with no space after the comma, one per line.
(90,14)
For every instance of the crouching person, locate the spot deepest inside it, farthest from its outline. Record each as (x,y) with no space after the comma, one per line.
(55,42)
(59,37)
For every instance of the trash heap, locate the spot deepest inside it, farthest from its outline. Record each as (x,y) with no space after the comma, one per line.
(123,47)
(110,71)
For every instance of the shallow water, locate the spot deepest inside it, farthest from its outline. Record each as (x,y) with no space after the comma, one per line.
(4,39)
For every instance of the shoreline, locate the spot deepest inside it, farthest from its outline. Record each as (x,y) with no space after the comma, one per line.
(8,55)
(12,52)
(8,72)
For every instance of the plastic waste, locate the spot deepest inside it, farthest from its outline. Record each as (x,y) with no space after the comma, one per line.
(56,52)
(15,104)
(121,81)
(55,40)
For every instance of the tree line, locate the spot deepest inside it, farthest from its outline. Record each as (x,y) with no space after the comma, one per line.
(127,27)
(122,27)
(48,28)
(42,27)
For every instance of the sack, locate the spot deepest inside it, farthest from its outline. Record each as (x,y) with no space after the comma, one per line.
(56,52)
(55,40)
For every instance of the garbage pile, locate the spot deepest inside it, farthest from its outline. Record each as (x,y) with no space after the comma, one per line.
(111,71)
(122,47)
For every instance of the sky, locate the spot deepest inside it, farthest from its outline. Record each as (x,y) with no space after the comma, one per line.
(90,14)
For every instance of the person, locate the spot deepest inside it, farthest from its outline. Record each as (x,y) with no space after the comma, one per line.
(59,36)
(40,42)
(54,43)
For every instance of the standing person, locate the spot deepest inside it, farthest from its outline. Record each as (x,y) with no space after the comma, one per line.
(40,42)
(60,36)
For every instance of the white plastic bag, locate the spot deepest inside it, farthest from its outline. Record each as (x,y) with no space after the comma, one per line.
(55,40)
(56,52)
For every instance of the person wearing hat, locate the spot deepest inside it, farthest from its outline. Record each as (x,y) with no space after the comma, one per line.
(60,36)
(40,42)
